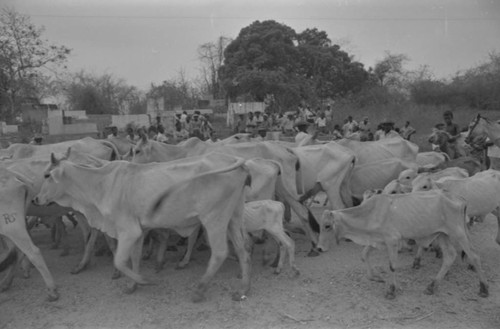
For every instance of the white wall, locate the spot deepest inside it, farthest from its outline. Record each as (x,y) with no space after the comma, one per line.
(121,121)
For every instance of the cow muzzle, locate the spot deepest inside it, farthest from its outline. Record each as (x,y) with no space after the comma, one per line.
(37,201)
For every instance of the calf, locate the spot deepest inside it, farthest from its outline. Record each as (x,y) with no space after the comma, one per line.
(260,215)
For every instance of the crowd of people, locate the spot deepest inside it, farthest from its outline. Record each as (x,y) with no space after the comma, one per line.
(308,123)
(186,126)
(317,122)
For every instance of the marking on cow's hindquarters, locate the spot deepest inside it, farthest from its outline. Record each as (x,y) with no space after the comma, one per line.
(9,218)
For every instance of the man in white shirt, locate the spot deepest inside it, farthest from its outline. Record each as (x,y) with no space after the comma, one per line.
(320,123)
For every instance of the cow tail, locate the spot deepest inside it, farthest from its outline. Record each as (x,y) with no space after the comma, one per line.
(8,260)
(161,199)
(345,187)
(466,229)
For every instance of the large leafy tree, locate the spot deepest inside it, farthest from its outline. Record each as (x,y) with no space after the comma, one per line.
(269,58)
(25,58)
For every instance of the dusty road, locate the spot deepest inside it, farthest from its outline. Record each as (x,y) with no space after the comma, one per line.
(331,292)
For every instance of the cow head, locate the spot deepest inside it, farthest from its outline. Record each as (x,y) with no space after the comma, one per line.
(407,176)
(327,230)
(141,152)
(423,182)
(51,190)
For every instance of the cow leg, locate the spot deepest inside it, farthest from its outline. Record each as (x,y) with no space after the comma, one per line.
(127,240)
(307,219)
(90,240)
(217,238)
(242,246)
(449,255)
(22,240)
(135,258)
(189,250)
(25,266)
(285,242)
(6,282)
(365,257)
(464,243)
(8,263)
(496,212)
(112,246)
(62,235)
(392,250)
(149,242)
(163,236)
(418,258)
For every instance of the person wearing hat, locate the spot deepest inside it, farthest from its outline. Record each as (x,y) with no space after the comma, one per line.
(37,140)
(454,131)
(388,131)
(302,133)
(114,132)
(196,126)
(251,124)
(407,131)
(349,125)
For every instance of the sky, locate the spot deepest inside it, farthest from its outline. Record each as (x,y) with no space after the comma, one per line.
(149,41)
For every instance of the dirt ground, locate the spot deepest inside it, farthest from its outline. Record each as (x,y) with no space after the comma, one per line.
(331,292)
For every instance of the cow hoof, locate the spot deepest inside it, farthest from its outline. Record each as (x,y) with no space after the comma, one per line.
(483,290)
(130,289)
(53,296)
(277,271)
(181,266)
(146,256)
(237,297)
(471,267)
(416,264)
(116,275)
(198,297)
(158,267)
(391,292)
(430,289)
(64,253)
(78,269)
(313,253)
(54,246)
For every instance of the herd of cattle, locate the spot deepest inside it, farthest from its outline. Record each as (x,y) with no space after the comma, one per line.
(379,194)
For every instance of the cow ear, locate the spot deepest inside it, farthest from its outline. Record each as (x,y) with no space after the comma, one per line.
(53,159)
(67,153)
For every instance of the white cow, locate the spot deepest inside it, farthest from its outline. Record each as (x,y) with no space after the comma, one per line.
(377,174)
(119,199)
(367,152)
(385,220)
(480,192)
